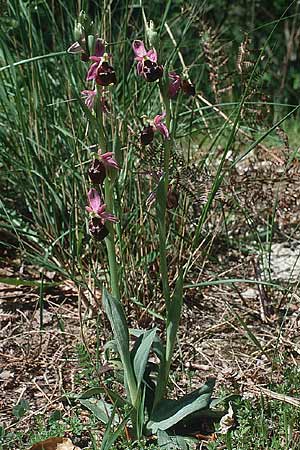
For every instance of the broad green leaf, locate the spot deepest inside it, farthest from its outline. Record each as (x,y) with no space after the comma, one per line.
(169,412)
(100,408)
(116,316)
(169,442)
(142,354)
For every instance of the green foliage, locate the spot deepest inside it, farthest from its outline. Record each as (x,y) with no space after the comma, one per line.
(21,409)
(169,412)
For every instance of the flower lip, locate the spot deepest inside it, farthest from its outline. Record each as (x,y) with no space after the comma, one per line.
(188,88)
(97,172)
(97,229)
(151,71)
(147,135)
(105,75)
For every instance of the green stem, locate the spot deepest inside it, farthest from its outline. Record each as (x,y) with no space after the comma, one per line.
(109,201)
(162,222)
(110,242)
(163,374)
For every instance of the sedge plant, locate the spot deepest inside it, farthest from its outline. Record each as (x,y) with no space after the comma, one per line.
(145,355)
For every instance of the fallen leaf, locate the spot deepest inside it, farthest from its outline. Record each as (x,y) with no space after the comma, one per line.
(227,421)
(56,443)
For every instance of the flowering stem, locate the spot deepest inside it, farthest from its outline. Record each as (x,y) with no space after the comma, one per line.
(164,369)
(162,222)
(110,242)
(108,188)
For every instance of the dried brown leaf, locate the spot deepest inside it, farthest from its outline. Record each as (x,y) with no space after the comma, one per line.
(56,443)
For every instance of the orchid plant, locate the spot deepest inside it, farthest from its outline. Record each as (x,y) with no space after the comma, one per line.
(145,379)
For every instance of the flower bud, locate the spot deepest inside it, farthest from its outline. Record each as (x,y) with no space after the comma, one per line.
(91,42)
(152,35)
(147,135)
(78,32)
(97,229)
(97,172)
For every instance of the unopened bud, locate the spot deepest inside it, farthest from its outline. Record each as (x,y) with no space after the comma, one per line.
(78,32)
(152,35)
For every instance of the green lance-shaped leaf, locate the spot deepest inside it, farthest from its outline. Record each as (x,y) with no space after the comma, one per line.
(100,408)
(170,412)
(116,316)
(142,354)
(112,433)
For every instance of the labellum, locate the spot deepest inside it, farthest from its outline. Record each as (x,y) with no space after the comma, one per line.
(106,75)
(188,88)
(147,135)
(152,71)
(97,229)
(97,172)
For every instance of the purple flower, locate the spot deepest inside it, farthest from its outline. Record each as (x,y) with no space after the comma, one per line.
(108,160)
(101,71)
(89,98)
(174,84)
(147,134)
(161,127)
(97,170)
(97,58)
(97,209)
(147,66)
